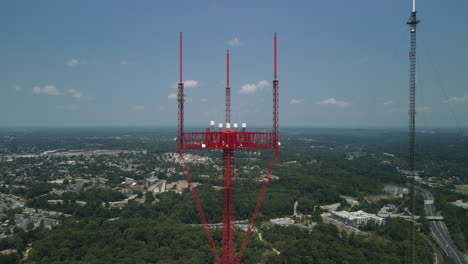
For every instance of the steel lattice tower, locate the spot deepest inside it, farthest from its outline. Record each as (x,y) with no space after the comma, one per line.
(275,90)
(412,22)
(180,93)
(228,184)
(228,140)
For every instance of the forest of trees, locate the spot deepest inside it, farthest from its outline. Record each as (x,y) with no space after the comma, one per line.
(163,240)
(162,230)
(456,218)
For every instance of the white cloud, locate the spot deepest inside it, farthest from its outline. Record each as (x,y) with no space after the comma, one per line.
(139,107)
(48,89)
(424,109)
(74,62)
(296,101)
(333,101)
(457,99)
(262,83)
(190,83)
(79,96)
(235,42)
(250,88)
(204,100)
(388,102)
(187,84)
(172,96)
(75,93)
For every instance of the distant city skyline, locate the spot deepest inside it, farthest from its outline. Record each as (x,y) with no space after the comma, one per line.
(341,63)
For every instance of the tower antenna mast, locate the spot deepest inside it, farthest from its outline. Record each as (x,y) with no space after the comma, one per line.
(228,91)
(228,140)
(180,94)
(412,22)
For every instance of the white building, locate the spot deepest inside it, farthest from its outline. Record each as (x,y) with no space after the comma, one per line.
(388,209)
(158,187)
(55,202)
(395,190)
(282,221)
(388,155)
(357,218)
(330,207)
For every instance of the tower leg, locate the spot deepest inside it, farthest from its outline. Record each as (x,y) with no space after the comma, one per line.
(199,208)
(228,207)
(261,195)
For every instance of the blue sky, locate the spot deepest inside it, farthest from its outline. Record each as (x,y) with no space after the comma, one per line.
(341,62)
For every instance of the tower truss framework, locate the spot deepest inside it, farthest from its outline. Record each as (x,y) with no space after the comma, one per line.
(228,140)
(412,22)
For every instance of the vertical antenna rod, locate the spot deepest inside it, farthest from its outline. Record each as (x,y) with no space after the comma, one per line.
(227,242)
(275,56)
(412,22)
(228,91)
(180,146)
(180,96)
(275,93)
(180,57)
(227,68)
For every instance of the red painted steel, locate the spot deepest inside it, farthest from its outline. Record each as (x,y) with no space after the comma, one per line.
(276,110)
(227,68)
(228,105)
(180,101)
(275,91)
(228,207)
(180,95)
(227,241)
(180,57)
(228,91)
(275,62)
(196,201)
(228,140)
(266,181)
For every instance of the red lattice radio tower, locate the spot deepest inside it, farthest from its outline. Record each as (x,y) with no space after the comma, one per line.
(228,140)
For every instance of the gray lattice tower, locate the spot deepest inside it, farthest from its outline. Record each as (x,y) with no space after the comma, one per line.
(412,22)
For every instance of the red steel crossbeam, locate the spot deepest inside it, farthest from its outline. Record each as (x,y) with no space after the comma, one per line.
(228,139)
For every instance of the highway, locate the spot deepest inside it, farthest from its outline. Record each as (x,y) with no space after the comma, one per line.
(440,232)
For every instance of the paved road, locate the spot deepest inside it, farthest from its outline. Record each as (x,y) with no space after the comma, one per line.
(440,232)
